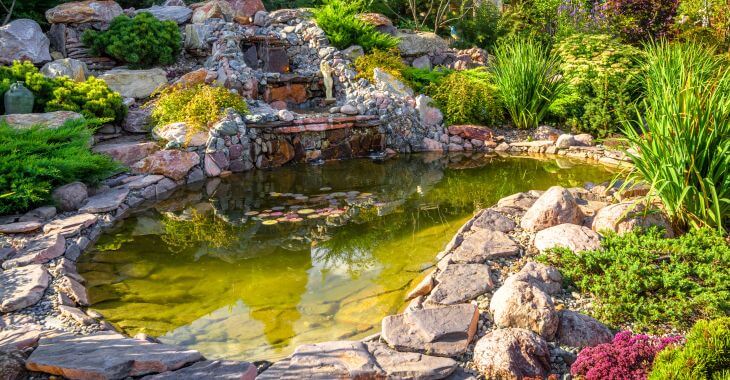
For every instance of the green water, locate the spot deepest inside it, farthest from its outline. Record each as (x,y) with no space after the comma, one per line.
(201,271)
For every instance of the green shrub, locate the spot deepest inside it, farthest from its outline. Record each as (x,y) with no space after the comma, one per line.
(142,41)
(467,97)
(92,98)
(388,61)
(704,356)
(652,282)
(602,83)
(478,27)
(421,79)
(35,160)
(198,106)
(706,22)
(683,137)
(338,19)
(527,79)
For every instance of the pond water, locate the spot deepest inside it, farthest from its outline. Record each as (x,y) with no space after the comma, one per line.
(256,264)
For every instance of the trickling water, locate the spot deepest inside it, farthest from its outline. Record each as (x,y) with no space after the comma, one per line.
(255,265)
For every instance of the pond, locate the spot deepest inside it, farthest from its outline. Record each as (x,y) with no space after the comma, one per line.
(252,266)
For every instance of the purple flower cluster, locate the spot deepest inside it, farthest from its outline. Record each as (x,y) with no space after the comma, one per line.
(627,357)
(640,20)
(584,17)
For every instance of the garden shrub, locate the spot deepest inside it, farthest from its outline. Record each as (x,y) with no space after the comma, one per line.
(338,19)
(627,357)
(527,78)
(467,97)
(142,41)
(683,134)
(421,80)
(35,160)
(92,98)
(602,75)
(642,279)
(199,106)
(386,60)
(535,20)
(641,20)
(704,356)
(706,21)
(478,27)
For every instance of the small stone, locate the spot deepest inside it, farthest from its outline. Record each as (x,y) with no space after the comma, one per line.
(76,314)
(422,288)
(349,109)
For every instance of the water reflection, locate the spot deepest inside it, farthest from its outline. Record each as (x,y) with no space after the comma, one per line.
(251,266)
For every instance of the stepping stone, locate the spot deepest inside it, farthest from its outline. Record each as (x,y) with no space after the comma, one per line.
(410,365)
(210,369)
(492,220)
(106,356)
(328,360)
(19,227)
(512,354)
(572,236)
(38,252)
(22,287)
(485,245)
(106,201)
(459,283)
(442,331)
(70,226)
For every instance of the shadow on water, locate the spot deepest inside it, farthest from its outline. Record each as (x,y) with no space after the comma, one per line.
(251,266)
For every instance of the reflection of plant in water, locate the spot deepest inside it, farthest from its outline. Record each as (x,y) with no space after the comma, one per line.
(208,229)
(113,243)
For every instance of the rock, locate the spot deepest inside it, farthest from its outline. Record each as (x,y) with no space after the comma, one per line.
(68,67)
(388,83)
(22,287)
(12,365)
(42,213)
(625,216)
(179,14)
(23,40)
(210,167)
(579,330)
(430,116)
(523,305)
(461,283)
(244,10)
(137,121)
(196,77)
(472,132)
(126,152)
(349,109)
(178,133)
(240,11)
(353,52)
(416,44)
(521,201)
(381,22)
(431,145)
(19,227)
(107,201)
(422,62)
(583,139)
(82,12)
(71,196)
(38,251)
(170,163)
(565,141)
(422,288)
(333,360)
(49,119)
(70,225)
(440,331)
(572,236)
(410,365)
(483,245)
(555,206)
(105,356)
(145,181)
(20,339)
(74,290)
(285,115)
(138,84)
(76,315)
(210,369)
(545,277)
(512,354)
(546,132)
(261,18)
(492,220)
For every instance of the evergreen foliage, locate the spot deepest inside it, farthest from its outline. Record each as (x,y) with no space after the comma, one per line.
(198,106)
(338,19)
(467,97)
(388,61)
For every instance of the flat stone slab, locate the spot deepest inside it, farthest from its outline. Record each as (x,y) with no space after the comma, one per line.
(106,356)
(127,151)
(22,287)
(410,365)
(493,220)
(210,369)
(106,201)
(441,331)
(21,338)
(328,360)
(484,245)
(19,227)
(38,252)
(459,283)
(572,236)
(70,226)
(145,181)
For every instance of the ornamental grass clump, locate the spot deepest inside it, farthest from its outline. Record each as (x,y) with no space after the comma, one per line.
(681,142)
(627,357)
(527,78)
(338,19)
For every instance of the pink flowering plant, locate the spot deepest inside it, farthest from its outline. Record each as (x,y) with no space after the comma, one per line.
(627,357)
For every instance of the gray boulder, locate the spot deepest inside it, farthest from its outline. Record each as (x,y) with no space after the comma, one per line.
(23,40)
(179,14)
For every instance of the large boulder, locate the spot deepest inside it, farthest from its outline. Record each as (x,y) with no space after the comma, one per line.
(240,11)
(381,22)
(521,304)
(579,330)
(81,12)
(71,196)
(126,151)
(23,40)
(170,163)
(137,84)
(483,245)
(48,119)
(22,287)
(68,67)
(555,206)
(179,14)
(572,236)
(512,354)
(545,277)
(625,216)
(415,44)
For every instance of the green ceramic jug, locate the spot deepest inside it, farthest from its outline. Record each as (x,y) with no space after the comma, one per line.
(18,99)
